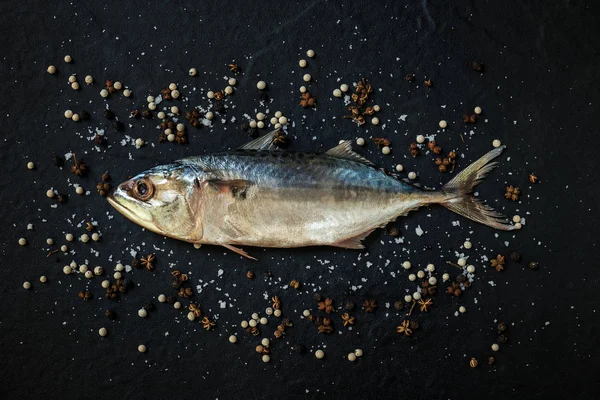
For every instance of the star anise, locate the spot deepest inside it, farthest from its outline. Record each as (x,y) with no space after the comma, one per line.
(195,308)
(512,193)
(326,305)
(219,95)
(404,328)
(89,226)
(381,141)
(348,319)
(78,167)
(148,262)
(207,323)
(424,305)
(280,139)
(498,262)
(234,67)
(370,305)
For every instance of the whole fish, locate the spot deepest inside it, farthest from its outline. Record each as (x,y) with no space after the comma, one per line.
(260,196)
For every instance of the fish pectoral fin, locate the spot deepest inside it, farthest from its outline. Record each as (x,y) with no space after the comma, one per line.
(344,150)
(239,251)
(354,242)
(237,187)
(264,142)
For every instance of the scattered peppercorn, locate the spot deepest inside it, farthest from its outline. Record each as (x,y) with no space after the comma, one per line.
(502,338)
(118,126)
(515,256)
(100,140)
(306,100)
(410,77)
(349,305)
(110,314)
(103,188)
(146,113)
(533,265)
(399,305)
(491,360)
(477,66)
(501,327)
(57,161)
(108,114)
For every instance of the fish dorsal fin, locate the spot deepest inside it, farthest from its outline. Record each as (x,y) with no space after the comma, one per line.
(265,142)
(344,150)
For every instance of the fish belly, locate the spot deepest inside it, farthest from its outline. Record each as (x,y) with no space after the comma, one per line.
(293,204)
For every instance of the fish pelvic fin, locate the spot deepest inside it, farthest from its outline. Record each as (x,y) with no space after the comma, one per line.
(239,251)
(457,193)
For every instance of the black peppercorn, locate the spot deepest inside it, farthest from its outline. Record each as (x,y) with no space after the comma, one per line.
(108,114)
(399,305)
(299,348)
(99,140)
(515,256)
(268,274)
(502,338)
(59,162)
(110,314)
(170,300)
(252,132)
(118,126)
(136,263)
(263,96)
(349,305)
(461,278)
(477,66)
(245,126)
(126,283)
(219,106)
(84,115)
(317,297)
(150,307)
(501,327)
(147,114)
(533,265)
(61,198)
(176,285)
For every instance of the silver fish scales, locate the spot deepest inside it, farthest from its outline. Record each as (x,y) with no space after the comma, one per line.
(273,198)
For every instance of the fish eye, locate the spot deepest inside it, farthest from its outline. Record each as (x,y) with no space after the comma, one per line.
(143,189)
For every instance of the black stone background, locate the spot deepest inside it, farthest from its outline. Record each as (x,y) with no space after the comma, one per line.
(541,70)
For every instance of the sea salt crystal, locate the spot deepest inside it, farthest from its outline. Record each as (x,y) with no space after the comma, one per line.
(419,231)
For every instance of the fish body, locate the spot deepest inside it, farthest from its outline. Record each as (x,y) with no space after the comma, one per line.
(273,198)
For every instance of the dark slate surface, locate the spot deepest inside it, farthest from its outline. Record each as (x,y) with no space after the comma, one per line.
(539,96)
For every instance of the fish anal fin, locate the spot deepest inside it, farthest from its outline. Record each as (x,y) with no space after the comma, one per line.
(239,251)
(265,142)
(354,242)
(344,150)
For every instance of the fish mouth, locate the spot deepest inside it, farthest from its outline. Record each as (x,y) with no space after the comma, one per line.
(118,198)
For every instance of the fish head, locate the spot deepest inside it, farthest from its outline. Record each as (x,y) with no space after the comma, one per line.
(164,200)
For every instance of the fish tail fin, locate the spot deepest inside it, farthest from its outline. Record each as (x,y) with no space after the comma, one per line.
(457,193)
